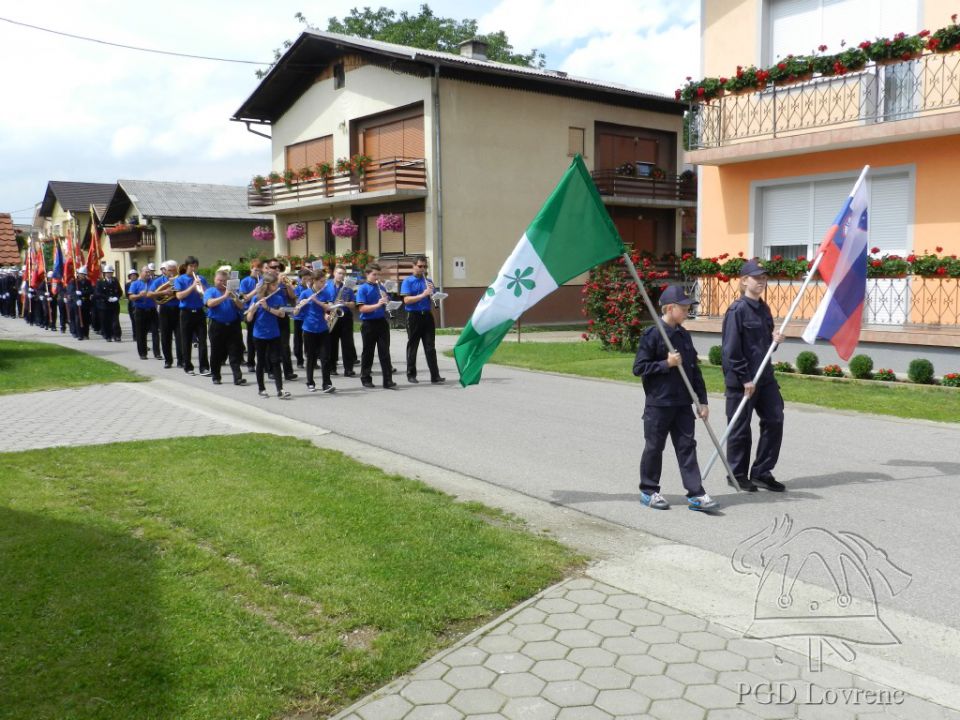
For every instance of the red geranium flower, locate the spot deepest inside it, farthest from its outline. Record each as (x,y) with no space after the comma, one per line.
(822,48)
(876,263)
(941,270)
(874,250)
(939,249)
(781,66)
(864,45)
(740,254)
(677,94)
(700,92)
(911,258)
(923,33)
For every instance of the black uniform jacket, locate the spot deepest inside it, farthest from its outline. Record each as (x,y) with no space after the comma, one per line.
(663,384)
(746,336)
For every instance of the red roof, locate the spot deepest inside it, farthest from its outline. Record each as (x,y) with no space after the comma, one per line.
(9,254)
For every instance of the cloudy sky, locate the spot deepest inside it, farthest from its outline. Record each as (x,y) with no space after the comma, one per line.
(77,110)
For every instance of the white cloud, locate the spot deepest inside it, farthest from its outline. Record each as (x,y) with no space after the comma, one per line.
(127,140)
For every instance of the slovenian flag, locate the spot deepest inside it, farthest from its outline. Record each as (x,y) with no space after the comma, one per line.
(844,268)
(572,233)
(57,261)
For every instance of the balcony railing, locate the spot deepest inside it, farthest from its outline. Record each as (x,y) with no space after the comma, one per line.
(670,187)
(904,301)
(877,94)
(136,238)
(387,174)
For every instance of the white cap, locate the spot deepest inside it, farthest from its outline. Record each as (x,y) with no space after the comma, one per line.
(151,266)
(50,273)
(108,269)
(82,270)
(133,271)
(170,264)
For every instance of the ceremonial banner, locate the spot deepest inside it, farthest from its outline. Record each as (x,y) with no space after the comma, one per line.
(844,268)
(94,253)
(57,261)
(572,233)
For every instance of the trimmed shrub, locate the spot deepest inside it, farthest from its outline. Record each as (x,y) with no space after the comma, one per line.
(861,367)
(807,362)
(920,371)
(783,367)
(833,371)
(716,355)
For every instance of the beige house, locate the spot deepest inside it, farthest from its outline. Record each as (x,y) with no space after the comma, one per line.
(65,209)
(465,149)
(148,221)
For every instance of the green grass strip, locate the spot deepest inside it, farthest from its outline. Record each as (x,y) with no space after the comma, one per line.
(243,576)
(588,359)
(28,366)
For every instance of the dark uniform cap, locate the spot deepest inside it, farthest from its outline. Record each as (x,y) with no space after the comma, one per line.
(752,267)
(674,295)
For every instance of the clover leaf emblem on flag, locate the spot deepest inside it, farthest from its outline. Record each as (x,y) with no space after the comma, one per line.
(520,280)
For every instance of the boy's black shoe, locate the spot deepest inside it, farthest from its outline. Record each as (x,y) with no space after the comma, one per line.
(367,383)
(349,373)
(389,385)
(744,484)
(412,379)
(769,482)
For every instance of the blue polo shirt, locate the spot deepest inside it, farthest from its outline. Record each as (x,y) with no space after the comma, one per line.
(414,286)
(314,319)
(226,312)
(369,294)
(143,303)
(193,301)
(265,325)
(301,292)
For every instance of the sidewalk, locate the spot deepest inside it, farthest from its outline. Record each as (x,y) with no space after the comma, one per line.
(653,628)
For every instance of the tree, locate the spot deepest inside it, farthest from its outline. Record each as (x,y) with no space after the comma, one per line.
(423,30)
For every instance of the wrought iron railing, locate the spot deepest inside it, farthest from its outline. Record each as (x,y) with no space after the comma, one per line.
(911,300)
(668,187)
(876,94)
(387,174)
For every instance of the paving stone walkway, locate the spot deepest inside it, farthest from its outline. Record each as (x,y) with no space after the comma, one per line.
(584,650)
(98,414)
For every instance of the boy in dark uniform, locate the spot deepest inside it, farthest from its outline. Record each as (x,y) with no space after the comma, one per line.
(746,336)
(667,408)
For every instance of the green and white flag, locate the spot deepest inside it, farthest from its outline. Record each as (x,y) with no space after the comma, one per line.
(572,233)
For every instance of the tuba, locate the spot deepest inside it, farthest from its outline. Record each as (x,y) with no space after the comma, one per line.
(165,292)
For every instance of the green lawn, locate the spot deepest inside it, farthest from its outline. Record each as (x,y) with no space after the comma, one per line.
(27,366)
(590,360)
(249,576)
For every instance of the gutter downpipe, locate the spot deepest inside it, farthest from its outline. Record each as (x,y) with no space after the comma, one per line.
(437,184)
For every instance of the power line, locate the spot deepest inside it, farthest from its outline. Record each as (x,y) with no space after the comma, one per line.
(131,47)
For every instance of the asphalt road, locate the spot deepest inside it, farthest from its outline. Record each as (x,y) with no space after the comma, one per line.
(577,443)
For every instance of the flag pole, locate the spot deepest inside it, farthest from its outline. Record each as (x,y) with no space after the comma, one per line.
(783,327)
(683,374)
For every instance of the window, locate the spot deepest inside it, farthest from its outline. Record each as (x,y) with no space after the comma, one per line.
(576,143)
(309,153)
(398,139)
(410,241)
(800,26)
(793,217)
(339,78)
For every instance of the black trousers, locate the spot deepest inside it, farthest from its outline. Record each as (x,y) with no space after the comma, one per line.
(110,321)
(226,344)
(269,360)
(169,315)
(133,319)
(317,346)
(251,349)
(342,336)
(146,323)
(193,321)
(375,335)
(83,320)
(62,308)
(285,345)
(52,311)
(768,404)
(421,328)
(298,342)
(679,423)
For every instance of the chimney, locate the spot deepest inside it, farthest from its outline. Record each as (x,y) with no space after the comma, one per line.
(476,49)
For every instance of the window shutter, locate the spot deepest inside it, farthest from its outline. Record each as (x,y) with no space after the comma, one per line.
(575,142)
(415,228)
(319,150)
(785,215)
(828,197)
(371,143)
(296,156)
(896,16)
(888,213)
(794,27)
(391,243)
(413,137)
(391,141)
(373,237)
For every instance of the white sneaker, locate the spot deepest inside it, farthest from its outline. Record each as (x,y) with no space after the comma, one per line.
(654,500)
(702,503)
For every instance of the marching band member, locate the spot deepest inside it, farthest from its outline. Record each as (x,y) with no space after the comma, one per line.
(417,291)
(248,288)
(168,313)
(144,312)
(132,277)
(315,302)
(108,296)
(51,296)
(264,313)
(342,333)
(374,329)
(226,335)
(190,287)
(290,298)
(83,292)
(304,283)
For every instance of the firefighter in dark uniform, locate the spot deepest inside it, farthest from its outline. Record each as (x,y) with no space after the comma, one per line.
(108,294)
(667,409)
(83,294)
(747,333)
(51,295)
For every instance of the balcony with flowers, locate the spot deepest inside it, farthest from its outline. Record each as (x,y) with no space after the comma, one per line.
(865,93)
(357,180)
(132,236)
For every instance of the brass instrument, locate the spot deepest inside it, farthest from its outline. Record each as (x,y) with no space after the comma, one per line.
(198,285)
(337,312)
(165,292)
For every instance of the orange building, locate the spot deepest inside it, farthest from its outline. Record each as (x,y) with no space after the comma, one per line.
(776,163)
